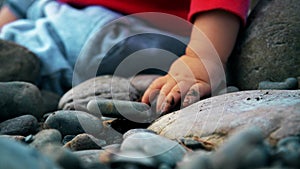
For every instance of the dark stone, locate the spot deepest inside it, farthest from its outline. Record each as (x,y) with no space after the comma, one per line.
(17,63)
(23,125)
(19,98)
(102,87)
(84,142)
(50,101)
(15,155)
(70,122)
(269,48)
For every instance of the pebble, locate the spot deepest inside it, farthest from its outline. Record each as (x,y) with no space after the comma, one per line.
(288,84)
(288,152)
(44,137)
(17,63)
(90,159)
(14,138)
(61,156)
(133,111)
(50,101)
(229,89)
(243,150)
(101,87)
(84,142)
(15,155)
(137,130)
(23,125)
(70,122)
(20,98)
(161,149)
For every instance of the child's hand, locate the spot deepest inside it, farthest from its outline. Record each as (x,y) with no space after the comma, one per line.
(186,81)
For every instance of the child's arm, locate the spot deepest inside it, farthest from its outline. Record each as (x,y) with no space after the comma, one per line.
(6,16)
(187,78)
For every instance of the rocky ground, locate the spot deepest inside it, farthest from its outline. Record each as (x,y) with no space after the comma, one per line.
(253,124)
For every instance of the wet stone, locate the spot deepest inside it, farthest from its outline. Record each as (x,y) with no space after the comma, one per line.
(288,84)
(84,142)
(45,137)
(101,87)
(15,155)
(23,125)
(20,98)
(70,122)
(17,63)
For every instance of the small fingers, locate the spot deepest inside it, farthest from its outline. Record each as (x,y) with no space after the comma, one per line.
(194,94)
(153,90)
(174,96)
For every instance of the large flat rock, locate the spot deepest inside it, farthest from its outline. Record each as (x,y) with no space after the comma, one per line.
(276,112)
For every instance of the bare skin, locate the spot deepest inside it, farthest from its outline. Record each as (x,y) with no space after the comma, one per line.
(187,79)
(6,16)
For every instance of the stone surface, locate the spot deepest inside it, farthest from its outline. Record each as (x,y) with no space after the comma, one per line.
(276,112)
(84,142)
(90,158)
(23,125)
(146,146)
(70,122)
(289,84)
(45,137)
(61,156)
(15,155)
(50,101)
(141,82)
(19,98)
(105,87)
(17,63)
(269,48)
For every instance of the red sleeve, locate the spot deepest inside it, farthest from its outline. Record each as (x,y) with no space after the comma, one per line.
(238,7)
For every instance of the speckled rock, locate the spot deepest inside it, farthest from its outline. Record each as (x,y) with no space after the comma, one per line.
(17,63)
(70,122)
(20,98)
(106,87)
(23,125)
(276,112)
(270,46)
(84,142)
(15,155)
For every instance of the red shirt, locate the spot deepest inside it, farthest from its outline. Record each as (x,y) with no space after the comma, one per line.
(185,9)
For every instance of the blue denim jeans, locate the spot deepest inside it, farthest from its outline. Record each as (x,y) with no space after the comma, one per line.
(74,44)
